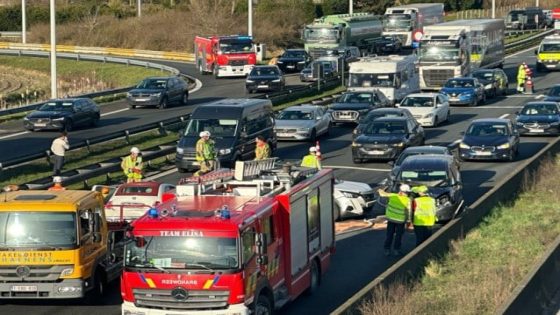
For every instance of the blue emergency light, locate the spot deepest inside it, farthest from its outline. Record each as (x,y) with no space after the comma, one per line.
(224,213)
(153,213)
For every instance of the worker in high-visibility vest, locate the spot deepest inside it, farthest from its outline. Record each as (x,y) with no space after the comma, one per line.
(57,184)
(423,213)
(262,151)
(205,154)
(132,166)
(521,74)
(311,160)
(397,213)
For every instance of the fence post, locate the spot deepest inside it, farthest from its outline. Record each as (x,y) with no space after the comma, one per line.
(88,146)
(162,130)
(127,136)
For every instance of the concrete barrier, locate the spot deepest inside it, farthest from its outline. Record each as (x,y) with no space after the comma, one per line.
(412,265)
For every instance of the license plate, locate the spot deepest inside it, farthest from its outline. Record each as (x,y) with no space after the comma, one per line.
(377,152)
(24,288)
(291,67)
(142,99)
(345,117)
(262,86)
(454,99)
(483,153)
(40,125)
(284,135)
(536,130)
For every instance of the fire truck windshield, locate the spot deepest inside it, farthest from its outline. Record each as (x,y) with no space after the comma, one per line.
(235,46)
(38,229)
(216,127)
(183,253)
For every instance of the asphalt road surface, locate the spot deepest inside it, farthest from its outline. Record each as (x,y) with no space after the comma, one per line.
(358,258)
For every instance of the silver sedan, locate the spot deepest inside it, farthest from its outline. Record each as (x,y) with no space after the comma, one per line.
(302,122)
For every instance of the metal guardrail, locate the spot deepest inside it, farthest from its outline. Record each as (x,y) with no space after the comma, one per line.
(527,42)
(10,34)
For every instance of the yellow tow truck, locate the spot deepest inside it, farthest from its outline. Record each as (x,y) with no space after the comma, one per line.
(57,245)
(548,53)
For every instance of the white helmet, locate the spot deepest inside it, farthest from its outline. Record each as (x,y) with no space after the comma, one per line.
(135,150)
(57,179)
(204,134)
(404,188)
(312,149)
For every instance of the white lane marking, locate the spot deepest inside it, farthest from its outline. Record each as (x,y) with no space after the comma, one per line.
(520,52)
(522,96)
(490,107)
(358,168)
(504,116)
(114,112)
(197,86)
(168,172)
(14,135)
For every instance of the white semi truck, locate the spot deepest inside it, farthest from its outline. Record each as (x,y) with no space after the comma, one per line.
(455,49)
(395,76)
(406,20)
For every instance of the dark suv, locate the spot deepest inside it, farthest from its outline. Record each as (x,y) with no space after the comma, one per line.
(63,114)
(293,60)
(158,92)
(350,107)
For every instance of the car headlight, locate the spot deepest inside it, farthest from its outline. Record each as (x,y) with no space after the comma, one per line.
(279,61)
(67,271)
(443,200)
(355,131)
(428,115)
(249,81)
(25,118)
(463,145)
(504,146)
(224,151)
(128,94)
(349,194)
(398,145)
(355,144)
(276,81)
(58,119)
(68,289)
(556,123)
(180,150)
(156,94)
(301,62)
(488,86)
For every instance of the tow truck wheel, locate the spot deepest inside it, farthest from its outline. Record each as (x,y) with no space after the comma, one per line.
(263,306)
(94,296)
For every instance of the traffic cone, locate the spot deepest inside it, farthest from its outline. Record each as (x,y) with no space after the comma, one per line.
(318,153)
(529,88)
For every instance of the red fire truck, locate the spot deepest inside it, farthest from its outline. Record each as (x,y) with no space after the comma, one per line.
(239,241)
(225,56)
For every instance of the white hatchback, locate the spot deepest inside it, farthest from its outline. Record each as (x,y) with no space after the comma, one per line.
(130,201)
(429,109)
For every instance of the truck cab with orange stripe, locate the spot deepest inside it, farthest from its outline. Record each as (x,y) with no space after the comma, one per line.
(231,242)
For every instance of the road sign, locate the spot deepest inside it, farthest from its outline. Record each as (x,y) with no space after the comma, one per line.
(417,36)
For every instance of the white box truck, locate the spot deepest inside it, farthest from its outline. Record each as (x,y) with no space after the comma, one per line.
(455,49)
(406,20)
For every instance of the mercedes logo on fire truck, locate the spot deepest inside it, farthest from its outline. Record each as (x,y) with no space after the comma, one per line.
(179,294)
(23,271)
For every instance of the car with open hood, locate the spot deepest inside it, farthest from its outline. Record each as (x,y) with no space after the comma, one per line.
(63,114)
(352,199)
(350,107)
(419,150)
(429,109)
(539,118)
(385,138)
(293,60)
(378,113)
(464,91)
(302,122)
(159,92)
(490,139)
(495,81)
(265,78)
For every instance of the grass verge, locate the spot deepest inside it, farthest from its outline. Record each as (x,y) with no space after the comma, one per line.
(480,272)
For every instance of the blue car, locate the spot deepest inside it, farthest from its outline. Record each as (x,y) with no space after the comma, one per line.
(539,118)
(464,91)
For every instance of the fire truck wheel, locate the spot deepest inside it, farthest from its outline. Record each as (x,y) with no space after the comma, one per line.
(263,306)
(315,278)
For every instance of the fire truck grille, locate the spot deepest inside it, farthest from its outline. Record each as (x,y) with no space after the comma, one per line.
(169,300)
(437,77)
(22,274)
(237,62)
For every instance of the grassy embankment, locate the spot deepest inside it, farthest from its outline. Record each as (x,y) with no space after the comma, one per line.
(480,272)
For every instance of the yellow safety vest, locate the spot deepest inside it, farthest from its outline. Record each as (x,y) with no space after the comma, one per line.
(205,150)
(311,160)
(130,164)
(521,73)
(425,211)
(262,152)
(397,208)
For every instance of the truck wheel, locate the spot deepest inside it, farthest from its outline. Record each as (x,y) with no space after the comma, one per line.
(263,306)
(94,296)
(315,278)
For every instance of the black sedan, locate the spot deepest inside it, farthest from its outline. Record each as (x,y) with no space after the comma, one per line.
(421,150)
(385,138)
(158,92)
(490,139)
(553,94)
(265,78)
(293,60)
(387,44)
(377,113)
(351,106)
(63,114)
(539,118)
(495,81)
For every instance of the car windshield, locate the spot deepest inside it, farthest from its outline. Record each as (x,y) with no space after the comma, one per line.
(487,130)
(372,79)
(418,102)
(323,34)
(423,176)
(57,106)
(38,229)
(294,54)
(550,47)
(483,75)
(216,127)
(438,53)
(152,84)
(355,98)
(554,91)
(540,109)
(232,46)
(264,72)
(459,84)
(386,127)
(295,115)
(179,252)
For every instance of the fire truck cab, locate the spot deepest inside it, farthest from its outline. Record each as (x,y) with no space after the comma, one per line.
(225,56)
(239,241)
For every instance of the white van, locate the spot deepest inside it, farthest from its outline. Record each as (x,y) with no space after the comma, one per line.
(395,76)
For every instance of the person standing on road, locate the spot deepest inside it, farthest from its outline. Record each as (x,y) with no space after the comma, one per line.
(58,149)
(521,74)
(263,149)
(311,160)
(205,153)
(423,213)
(132,166)
(57,184)
(397,213)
